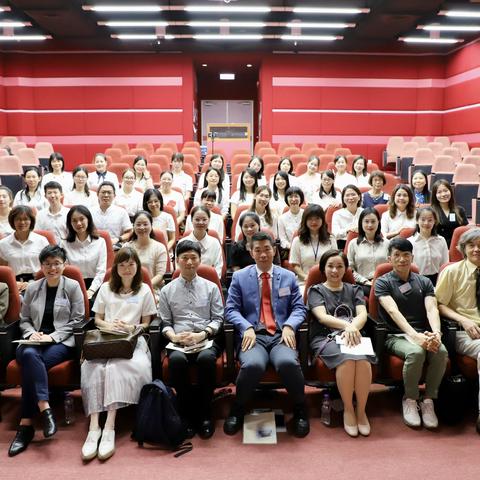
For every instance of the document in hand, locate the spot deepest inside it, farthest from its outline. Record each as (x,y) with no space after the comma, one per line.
(363,348)
(198,347)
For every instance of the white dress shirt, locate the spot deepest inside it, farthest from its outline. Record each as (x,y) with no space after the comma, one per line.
(362,181)
(132,202)
(164,222)
(363,259)
(65,179)
(310,184)
(216,224)
(37,201)
(341,181)
(184,181)
(74,197)
(90,256)
(22,257)
(96,179)
(429,254)
(53,222)
(114,220)
(288,224)
(175,200)
(343,220)
(396,223)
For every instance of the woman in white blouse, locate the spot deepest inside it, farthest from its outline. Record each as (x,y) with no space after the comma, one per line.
(32,196)
(286,165)
(217,161)
(246,193)
(101,174)
(359,171)
(281,183)
(6,200)
(80,194)
(342,177)
(289,222)
(153,203)
(328,194)
(171,197)
(401,212)
(312,241)
(210,246)
(152,254)
(143,179)
(56,166)
(213,181)
(21,249)
(430,250)
(85,249)
(346,219)
(367,251)
(309,182)
(128,197)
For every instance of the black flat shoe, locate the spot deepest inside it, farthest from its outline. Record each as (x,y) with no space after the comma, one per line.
(206,428)
(24,436)
(49,425)
(301,424)
(234,421)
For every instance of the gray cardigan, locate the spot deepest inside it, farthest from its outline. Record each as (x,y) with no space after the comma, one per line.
(68,310)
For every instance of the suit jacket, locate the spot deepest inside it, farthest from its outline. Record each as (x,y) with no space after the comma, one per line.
(68,310)
(243,302)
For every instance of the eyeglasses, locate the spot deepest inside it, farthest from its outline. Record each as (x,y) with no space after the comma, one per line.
(53,265)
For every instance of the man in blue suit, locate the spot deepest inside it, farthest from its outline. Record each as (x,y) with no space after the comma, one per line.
(265,306)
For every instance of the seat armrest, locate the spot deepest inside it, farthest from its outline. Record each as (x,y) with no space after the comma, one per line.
(156,345)
(449,331)
(302,344)
(229,333)
(8,333)
(379,337)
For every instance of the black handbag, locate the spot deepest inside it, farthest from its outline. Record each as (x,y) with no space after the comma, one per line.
(99,344)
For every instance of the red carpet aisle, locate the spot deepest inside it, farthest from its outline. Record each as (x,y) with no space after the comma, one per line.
(392,452)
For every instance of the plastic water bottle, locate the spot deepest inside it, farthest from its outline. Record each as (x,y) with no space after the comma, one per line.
(326,409)
(69,409)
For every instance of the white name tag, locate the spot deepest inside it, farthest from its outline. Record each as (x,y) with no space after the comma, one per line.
(132,300)
(452,217)
(406,287)
(62,302)
(284,291)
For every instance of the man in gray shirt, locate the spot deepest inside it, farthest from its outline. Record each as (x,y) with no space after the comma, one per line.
(191,310)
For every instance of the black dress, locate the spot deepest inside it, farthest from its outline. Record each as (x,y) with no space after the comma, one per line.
(446,225)
(327,349)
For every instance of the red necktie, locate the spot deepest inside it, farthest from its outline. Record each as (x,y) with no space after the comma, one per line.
(266,313)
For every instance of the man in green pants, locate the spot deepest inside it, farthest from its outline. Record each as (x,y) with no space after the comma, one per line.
(409,309)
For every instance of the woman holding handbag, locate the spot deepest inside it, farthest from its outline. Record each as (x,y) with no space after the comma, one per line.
(121,305)
(339,309)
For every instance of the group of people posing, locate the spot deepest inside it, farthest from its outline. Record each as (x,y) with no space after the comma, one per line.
(264,301)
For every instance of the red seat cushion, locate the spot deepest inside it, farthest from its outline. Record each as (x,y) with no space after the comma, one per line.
(468,366)
(63,374)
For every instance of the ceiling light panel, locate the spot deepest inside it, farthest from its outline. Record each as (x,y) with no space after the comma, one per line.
(134,24)
(460,13)
(227,37)
(325,25)
(226,9)
(20,38)
(311,38)
(123,8)
(450,28)
(430,40)
(227,24)
(330,11)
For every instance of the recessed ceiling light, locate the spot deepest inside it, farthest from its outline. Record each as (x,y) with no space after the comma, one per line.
(319,25)
(460,13)
(125,36)
(227,76)
(429,40)
(227,37)
(8,24)
(319,38)
(134,24)
(227,24)
(123,8)
(249,65)
(450,28)
(204,65)
(328,11)
(6,38)
(226,9)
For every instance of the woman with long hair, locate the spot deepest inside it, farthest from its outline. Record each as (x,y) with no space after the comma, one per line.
(309,182)
(360,172)
(6,200)
(171,197)
(286,165)
(246,193)
(430,249)
(312,241)
(281,183)
(401,212)
(367,251)
(213,182)
(289,222)
(128,197)
(419,185)
(342,177)
(217,161)
(153,204)
(32,195)
(450,215)
(80,194)
(346,219)
(85,248)
(327,194)
(122,304)
(339,310)
(143,178)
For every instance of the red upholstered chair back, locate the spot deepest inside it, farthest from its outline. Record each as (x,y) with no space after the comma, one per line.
(73,272)
(13,312)
(454,254)
(108,241)
(145,277)
(315,276)
(48,235)
(406,232)
(372,300)
(381,209)
(162,238)
(207,272)
(350,237)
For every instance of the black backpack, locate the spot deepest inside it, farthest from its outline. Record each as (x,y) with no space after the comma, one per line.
(158,421)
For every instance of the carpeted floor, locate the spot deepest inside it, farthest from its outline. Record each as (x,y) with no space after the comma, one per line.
(393,451)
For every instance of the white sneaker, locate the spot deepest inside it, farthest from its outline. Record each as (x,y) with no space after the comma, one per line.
(90,447)
(410,412)
(107,445)
(429,418)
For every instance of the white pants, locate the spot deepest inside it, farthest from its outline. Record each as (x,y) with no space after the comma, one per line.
(470,347)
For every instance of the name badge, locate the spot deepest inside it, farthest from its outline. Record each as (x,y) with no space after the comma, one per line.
(62,302)
(406,287)
(132,300)
(452,217)
(284,291)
